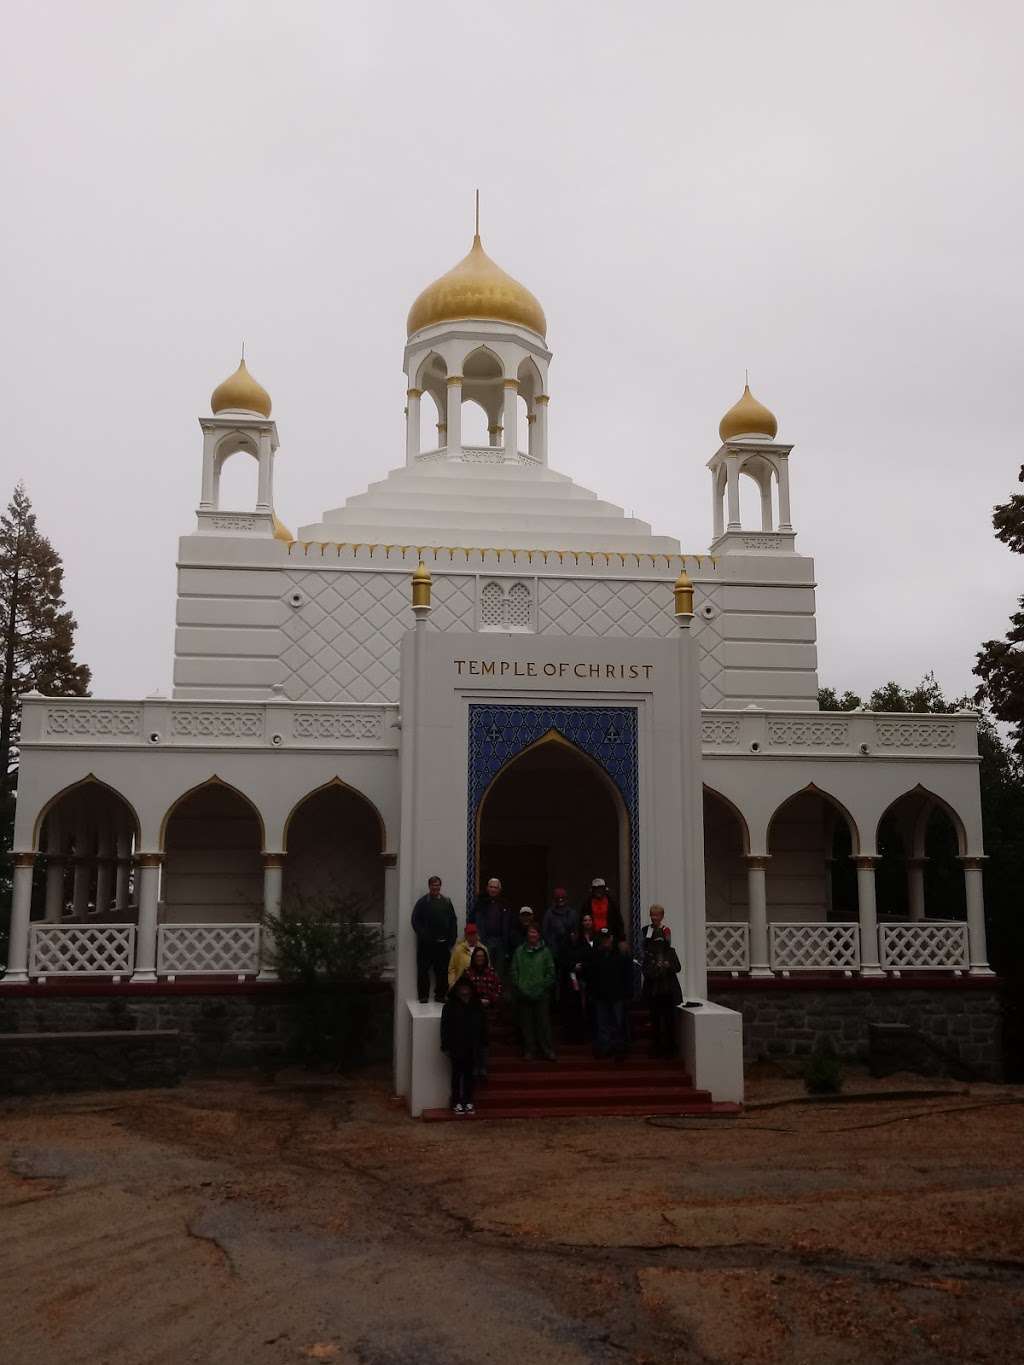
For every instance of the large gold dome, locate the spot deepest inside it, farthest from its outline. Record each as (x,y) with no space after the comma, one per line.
(477,288)
(748,417)
(240,392)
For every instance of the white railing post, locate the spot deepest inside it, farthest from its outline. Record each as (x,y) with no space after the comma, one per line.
(975,890)
(273,881)
(21,912)
(915,887)
(149,905)
(867,915)
(757,897)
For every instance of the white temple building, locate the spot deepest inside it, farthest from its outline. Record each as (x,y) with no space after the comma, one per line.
(557,693)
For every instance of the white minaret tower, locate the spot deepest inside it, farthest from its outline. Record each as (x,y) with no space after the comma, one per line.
(749,448)
(240,422)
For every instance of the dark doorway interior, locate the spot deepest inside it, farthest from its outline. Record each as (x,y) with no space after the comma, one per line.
(552,819)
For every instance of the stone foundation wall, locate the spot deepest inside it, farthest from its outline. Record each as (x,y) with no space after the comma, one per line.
(789,1022)
(218,1025)
(41,1063)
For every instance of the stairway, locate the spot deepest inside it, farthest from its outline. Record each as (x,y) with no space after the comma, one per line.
(578,1085)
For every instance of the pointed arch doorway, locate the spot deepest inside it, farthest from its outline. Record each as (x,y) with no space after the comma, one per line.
(552,816)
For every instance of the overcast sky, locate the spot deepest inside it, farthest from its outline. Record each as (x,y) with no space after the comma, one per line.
(830,195)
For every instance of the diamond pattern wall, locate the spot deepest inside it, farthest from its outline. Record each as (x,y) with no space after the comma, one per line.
(572,606)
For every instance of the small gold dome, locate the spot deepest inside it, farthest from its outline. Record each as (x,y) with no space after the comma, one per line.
(281,531)
(477,288)
(240,391)
(748,417)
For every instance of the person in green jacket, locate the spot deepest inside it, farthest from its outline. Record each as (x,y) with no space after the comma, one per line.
(533,979)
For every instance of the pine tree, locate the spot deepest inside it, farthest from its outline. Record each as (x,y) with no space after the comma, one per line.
(36,633)
(1000,663)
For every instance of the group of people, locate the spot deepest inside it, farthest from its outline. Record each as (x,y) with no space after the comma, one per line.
(576,959)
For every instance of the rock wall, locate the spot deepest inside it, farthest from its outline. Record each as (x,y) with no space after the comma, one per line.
(790,1021)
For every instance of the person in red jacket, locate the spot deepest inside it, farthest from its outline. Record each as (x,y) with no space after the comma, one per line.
(604,909)
(487,986)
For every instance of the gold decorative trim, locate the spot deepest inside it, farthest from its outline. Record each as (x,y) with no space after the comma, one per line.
(414,393)
(148,859)
(272,860)
(624,558)
(24,859)
(453,380)
(972,860)
(389,859)
(758,861)
(543,399)
(511,383)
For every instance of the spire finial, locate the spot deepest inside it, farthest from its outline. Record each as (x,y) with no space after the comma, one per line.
(746,378)
(477,228)
(243,350)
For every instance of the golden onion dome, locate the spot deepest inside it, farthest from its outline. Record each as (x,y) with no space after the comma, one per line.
(281,531)
(477,288)
(748,417)
(240,392)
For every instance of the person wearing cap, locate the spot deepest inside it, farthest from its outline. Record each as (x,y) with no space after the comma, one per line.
(558,921)
(601,904)
(662,992)
(435,927)
(609,986)
(461,953)
(492,915)
(533,977)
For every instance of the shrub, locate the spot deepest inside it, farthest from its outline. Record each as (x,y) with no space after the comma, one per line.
(823,1074)
(324,945)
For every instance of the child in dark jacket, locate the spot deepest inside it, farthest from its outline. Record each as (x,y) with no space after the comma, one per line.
(463,1039)
(484,980)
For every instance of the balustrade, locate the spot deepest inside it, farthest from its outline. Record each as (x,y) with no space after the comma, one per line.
(728,946)
(208,950)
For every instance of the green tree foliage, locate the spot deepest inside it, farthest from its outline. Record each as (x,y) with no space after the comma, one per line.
(1000,664)
(37,636)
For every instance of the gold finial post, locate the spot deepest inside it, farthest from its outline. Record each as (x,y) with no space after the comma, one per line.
(422,584)
(476,230)
(682,593)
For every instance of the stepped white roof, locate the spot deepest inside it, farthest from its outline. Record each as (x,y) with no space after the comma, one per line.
(482,500)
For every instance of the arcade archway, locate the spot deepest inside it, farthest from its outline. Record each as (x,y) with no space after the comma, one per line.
(553,817)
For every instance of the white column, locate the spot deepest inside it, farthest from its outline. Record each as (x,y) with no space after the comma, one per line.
(149,906)
(766,504)
(511,425)
(757,898)
(390,861)
(531,434)
(975,889)
(81,885)
(265,489)
(868,916)
(915,887)
(717,510)
(208,495)
(273,881)
(21,911)
(541,438)
(494,437)
(124,867)
(54,889)
(454,437)
(732,487)
(412,424)
(785,523)
(104,873)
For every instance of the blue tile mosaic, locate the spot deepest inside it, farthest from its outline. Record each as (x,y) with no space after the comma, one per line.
(608,734)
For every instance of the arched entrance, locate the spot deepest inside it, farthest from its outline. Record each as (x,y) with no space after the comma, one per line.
(553,817)
(334,846)
(212,869)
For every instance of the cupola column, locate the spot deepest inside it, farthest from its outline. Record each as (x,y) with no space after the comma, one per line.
(265,487)
(412,425)
(454,438)
(717,510)
(732,492)
(785,516)
(511,433)
(541,429)
(531,435)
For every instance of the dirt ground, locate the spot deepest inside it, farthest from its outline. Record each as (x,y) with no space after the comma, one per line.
(308,1219)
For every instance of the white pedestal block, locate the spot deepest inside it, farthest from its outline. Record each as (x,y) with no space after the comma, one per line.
(713,1050)
(430,1080)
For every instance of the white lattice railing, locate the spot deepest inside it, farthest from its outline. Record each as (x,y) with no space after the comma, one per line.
(208,950)
(939,945)
(728,945)
(66,950)
(808,947)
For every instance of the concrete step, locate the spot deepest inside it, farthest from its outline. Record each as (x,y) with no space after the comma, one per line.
(694,1109)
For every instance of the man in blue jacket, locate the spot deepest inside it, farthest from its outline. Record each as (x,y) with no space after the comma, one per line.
(433,923)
